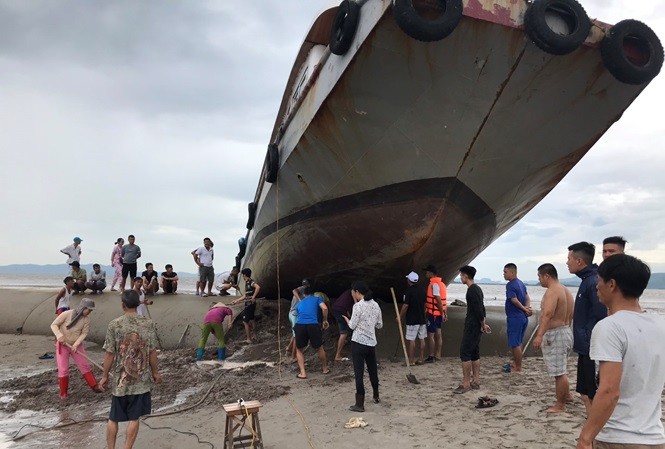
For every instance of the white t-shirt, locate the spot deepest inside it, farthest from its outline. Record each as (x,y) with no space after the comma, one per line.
(73,253)
(142,310)
(205,256)
(636,340)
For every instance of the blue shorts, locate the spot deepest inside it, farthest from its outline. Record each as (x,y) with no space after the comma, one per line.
(433,323)
(516,330)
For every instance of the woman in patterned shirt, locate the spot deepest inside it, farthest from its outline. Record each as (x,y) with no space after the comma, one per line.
(365,318)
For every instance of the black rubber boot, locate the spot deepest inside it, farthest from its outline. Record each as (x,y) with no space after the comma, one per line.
(376,396)
(360,404)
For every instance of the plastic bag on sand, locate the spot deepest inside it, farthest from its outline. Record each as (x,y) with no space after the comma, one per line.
(355,422)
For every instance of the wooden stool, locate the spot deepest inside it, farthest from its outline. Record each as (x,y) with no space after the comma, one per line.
(235,416)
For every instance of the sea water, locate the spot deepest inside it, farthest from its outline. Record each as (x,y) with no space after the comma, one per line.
(652,299)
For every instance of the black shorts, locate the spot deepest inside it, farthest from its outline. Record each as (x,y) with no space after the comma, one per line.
(170,287)
(469,350)
(130,408)
(586,376)
(308,333)
(248,313)
(129,269)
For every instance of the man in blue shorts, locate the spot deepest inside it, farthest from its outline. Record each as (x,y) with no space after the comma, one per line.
(518,311)
(131,355)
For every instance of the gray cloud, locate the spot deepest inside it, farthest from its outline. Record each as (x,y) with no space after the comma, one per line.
(153,118)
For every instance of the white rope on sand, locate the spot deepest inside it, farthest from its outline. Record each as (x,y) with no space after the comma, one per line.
(279,318)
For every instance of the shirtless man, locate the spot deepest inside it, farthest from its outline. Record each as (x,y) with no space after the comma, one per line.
(555,335)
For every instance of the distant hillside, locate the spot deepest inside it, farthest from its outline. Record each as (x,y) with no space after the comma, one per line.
(56,269)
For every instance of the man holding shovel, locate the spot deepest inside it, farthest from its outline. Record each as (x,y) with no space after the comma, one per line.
(413,315)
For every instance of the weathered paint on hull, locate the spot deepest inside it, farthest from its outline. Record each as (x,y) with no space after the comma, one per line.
(420,153)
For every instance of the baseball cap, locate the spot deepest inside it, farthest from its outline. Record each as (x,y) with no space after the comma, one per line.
(77,239)
(413,276)
(431,268)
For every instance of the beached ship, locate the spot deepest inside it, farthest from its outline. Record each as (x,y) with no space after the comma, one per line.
(417,132)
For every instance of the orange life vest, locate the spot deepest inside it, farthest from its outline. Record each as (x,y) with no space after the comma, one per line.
(431,306)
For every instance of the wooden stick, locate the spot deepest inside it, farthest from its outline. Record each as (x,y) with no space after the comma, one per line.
(86,356)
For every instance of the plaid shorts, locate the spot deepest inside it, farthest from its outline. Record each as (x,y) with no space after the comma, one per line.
(557,344)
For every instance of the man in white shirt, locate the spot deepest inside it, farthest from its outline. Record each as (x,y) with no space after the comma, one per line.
(73,251)
(203,257)
(626,409)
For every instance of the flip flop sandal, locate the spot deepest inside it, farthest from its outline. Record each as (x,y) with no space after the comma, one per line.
(475,386)
(486,402)
(47,355)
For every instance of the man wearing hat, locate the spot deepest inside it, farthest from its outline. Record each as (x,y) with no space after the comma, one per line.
(80,277)
(413,315)
(435,309)
(73,251)
(70,329)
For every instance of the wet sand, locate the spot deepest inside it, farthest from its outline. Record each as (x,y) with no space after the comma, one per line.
(424,415)
(296,413)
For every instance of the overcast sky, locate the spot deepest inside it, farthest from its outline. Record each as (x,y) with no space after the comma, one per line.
(153,118)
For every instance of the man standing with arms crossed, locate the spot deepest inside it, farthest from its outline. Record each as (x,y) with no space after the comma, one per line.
(554,334)
(518,311)
(628,344)
(587,312)
(436,313)
(130,254)
(131,357)
(204,257)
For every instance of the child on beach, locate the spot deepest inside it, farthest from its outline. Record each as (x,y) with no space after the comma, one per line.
(142,309)
(64,295)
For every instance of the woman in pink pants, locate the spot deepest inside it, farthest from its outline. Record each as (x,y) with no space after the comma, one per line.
(116,262)
(70,329)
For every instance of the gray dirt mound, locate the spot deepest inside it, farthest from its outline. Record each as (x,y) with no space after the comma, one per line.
(180,372)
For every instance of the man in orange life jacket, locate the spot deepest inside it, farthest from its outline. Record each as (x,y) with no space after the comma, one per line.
(435,310)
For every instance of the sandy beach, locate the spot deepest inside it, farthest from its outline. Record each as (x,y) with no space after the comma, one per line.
(296,413)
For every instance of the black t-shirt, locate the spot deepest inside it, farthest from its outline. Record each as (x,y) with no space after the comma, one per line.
(344,304)
(149,276)
(168,277)
(475,309)
(415,297)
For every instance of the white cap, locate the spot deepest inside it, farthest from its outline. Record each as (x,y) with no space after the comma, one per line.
(413,276)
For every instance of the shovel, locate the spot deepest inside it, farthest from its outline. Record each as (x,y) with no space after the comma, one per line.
(410,377)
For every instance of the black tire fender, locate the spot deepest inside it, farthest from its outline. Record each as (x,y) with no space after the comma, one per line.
(344,27)
(251,208)
(423,29)
(632,52)
(550,41)
(272,163)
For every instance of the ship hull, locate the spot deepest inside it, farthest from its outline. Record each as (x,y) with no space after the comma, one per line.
(404,153)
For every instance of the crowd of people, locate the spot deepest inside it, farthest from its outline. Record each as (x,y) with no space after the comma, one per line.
(124,260)
(620,372)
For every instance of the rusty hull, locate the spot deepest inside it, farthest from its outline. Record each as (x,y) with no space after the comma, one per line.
(403,153)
